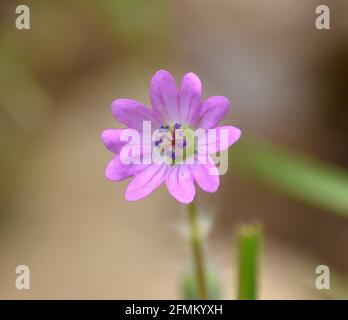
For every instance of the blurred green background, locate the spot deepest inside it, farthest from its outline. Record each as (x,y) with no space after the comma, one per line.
(287,82)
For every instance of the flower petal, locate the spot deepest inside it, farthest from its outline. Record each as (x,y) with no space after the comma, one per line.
(213,110)
(190,97)
(132,113)
(111,139)
(218,139)
(164,96)
(206,175)
(145,182)
(180,183)
(116,170)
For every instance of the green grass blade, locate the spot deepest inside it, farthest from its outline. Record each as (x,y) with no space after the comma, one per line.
(292,173)
(249,239)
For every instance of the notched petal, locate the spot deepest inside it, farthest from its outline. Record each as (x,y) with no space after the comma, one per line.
(180,183)
(132,113)
(212,111)
(111,139)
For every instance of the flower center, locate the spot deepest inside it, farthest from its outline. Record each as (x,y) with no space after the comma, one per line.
(175,142)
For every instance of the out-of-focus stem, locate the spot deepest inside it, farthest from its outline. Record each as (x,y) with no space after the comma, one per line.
(249,245)
(197,250)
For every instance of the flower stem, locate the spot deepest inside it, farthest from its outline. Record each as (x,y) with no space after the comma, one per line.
(197,250)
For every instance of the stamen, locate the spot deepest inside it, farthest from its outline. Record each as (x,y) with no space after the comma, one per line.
(172,141)
(164,128)
(182,143)
(173,155)
(158,141)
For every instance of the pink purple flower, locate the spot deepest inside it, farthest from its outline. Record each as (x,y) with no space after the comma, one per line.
(173,114)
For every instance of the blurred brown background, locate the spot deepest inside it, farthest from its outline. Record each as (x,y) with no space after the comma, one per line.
(287,82)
